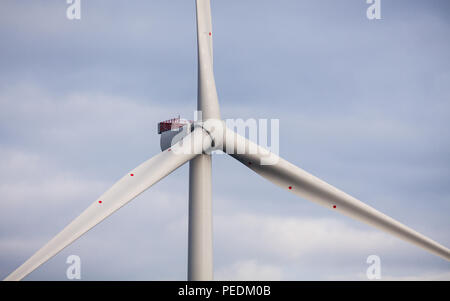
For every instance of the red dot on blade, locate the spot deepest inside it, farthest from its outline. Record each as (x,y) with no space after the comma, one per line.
(132,174)
(210,34)
(290,187)
(334,206)
(99,202)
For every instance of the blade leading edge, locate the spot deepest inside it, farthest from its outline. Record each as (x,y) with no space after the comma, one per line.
(296,180)
(123,191)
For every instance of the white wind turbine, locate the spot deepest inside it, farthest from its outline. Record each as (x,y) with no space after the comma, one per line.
(195,148)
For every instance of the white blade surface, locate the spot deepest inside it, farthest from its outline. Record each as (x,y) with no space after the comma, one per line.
(126,189)
(305,185)
(208,102)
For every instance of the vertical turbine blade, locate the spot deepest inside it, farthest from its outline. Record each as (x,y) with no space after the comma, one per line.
(208,102)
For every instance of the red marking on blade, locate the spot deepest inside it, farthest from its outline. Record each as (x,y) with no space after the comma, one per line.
(210,34)
(290,187)
(99,202)
(132,174)
(334,206)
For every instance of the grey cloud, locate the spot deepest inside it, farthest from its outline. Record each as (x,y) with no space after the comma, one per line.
(363,105)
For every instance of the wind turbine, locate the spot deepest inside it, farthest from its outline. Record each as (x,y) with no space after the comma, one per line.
(203,137)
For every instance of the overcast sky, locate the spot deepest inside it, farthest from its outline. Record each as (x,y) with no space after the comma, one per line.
(363,104)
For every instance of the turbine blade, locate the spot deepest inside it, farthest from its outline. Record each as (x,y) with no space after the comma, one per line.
(208,102)
(126,189)
(305,185)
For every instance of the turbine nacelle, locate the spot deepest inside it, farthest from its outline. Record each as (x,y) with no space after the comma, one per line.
(175,130)
(172,131)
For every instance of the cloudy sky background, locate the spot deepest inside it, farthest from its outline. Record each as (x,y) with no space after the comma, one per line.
(362,104)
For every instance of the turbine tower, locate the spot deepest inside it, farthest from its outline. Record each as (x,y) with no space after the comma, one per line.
(200,138)
(200,245)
